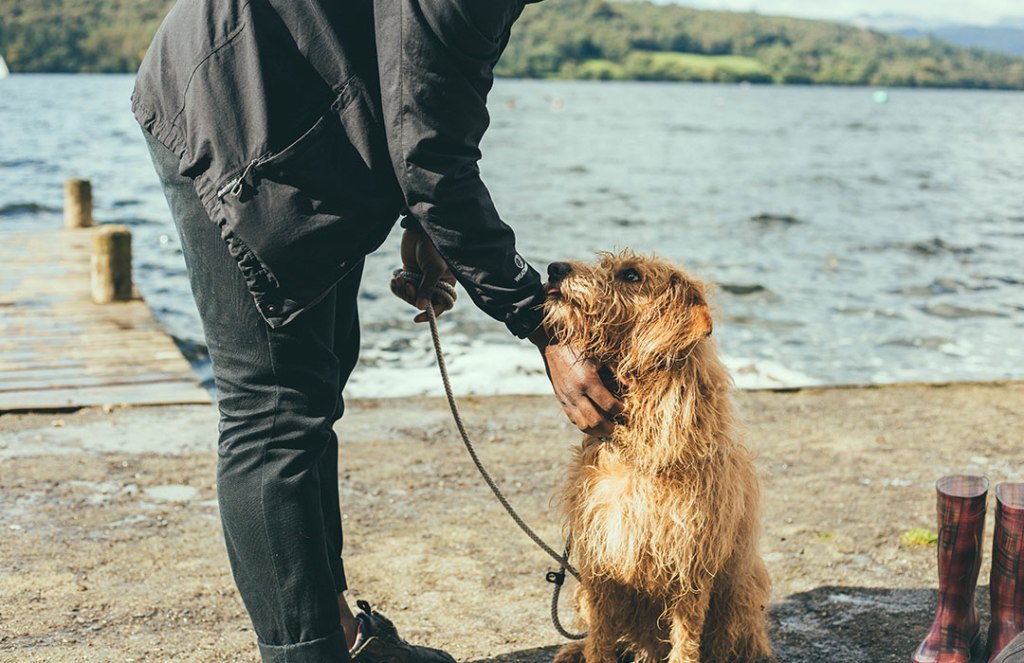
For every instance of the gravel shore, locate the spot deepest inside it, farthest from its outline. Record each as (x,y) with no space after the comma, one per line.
(110,545)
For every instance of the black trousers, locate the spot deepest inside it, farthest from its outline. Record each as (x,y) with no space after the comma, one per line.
(277,470)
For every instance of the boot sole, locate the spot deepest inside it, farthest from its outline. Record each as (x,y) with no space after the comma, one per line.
(976,651)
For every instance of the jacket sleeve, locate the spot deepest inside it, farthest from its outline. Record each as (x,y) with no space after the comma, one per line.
(436,59)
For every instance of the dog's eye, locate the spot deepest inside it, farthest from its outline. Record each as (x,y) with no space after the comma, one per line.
(630,276)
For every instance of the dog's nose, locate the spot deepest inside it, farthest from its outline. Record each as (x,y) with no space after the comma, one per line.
(558,271)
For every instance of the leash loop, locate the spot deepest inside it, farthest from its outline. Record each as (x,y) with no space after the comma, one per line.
(558,578)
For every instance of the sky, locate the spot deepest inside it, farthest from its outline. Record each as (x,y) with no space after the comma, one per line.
(981,12)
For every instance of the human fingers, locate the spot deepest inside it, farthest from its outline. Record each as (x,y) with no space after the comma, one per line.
(596,391)
(425,291)
(585,377)
(587,374)
(588,418)
(604,429)
(440,304)
(423,316)
(571,378)
(403,290)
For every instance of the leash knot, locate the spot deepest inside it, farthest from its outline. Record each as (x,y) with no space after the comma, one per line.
(444,292)
(556,577)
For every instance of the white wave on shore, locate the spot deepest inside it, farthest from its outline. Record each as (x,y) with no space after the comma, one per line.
(486,369)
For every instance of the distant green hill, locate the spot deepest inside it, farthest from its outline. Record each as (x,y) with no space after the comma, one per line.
(640,40)
(569,39)
(78,35)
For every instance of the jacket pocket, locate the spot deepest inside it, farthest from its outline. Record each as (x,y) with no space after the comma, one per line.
(304,213)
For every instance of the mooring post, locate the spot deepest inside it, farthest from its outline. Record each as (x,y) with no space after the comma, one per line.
(77,204)
(111,264)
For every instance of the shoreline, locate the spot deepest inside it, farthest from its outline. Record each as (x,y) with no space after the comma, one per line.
(112,547)
(376,401)
(588,81)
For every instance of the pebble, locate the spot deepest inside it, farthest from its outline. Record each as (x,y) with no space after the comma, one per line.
(172,493)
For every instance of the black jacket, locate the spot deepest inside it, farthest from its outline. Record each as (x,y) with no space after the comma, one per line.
(309,126)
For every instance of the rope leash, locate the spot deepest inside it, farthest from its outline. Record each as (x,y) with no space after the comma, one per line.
(558,578)
(446,293)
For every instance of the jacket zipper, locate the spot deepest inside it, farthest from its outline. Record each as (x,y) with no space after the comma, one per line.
(235,186)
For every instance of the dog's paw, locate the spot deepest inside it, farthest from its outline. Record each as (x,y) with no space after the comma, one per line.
(570,653)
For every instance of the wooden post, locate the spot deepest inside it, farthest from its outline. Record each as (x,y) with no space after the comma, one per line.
(111,264)
(77,204)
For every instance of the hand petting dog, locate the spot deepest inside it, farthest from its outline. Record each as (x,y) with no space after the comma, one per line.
(575,379)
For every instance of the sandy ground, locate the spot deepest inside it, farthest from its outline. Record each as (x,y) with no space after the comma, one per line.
(110,546)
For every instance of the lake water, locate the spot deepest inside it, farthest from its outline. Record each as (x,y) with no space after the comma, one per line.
(852,241)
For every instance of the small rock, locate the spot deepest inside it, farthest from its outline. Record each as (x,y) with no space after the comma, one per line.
(172,493)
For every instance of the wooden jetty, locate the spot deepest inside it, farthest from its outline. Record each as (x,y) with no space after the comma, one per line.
(60,348)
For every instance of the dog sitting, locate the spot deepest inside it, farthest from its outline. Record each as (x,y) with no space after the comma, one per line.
(663,515)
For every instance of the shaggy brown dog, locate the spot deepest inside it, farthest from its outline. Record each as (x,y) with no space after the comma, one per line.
(663,515)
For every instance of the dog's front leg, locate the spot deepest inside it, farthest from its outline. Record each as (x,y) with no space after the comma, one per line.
(570,653)
(599,647)
(592,650)
(602,625)
(687,625)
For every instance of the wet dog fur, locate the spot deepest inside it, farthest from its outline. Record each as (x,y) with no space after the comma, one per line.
(664,514)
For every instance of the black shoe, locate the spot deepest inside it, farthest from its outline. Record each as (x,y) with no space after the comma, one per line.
(378,642)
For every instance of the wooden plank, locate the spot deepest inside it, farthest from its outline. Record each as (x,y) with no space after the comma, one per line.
(13,379)
(58,349)
(127,337)
(99,344)
(82,366)
(82,381)
(161,393)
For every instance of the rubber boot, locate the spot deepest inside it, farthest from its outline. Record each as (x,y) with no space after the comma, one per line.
(955,635)
(1006,584)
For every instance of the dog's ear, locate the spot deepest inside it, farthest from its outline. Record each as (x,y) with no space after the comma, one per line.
(678,320)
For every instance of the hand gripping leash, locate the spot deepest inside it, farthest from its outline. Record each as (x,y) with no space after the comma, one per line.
(446,292)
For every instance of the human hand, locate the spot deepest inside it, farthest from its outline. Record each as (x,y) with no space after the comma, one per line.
(420,256)
(587,402)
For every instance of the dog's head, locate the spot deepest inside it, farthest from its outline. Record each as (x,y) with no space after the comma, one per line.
(637,312)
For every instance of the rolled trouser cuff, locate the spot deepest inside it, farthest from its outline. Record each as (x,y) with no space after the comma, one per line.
(331,649)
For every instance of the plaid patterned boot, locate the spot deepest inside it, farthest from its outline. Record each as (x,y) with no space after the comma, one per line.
(1007,580)
(955,634)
